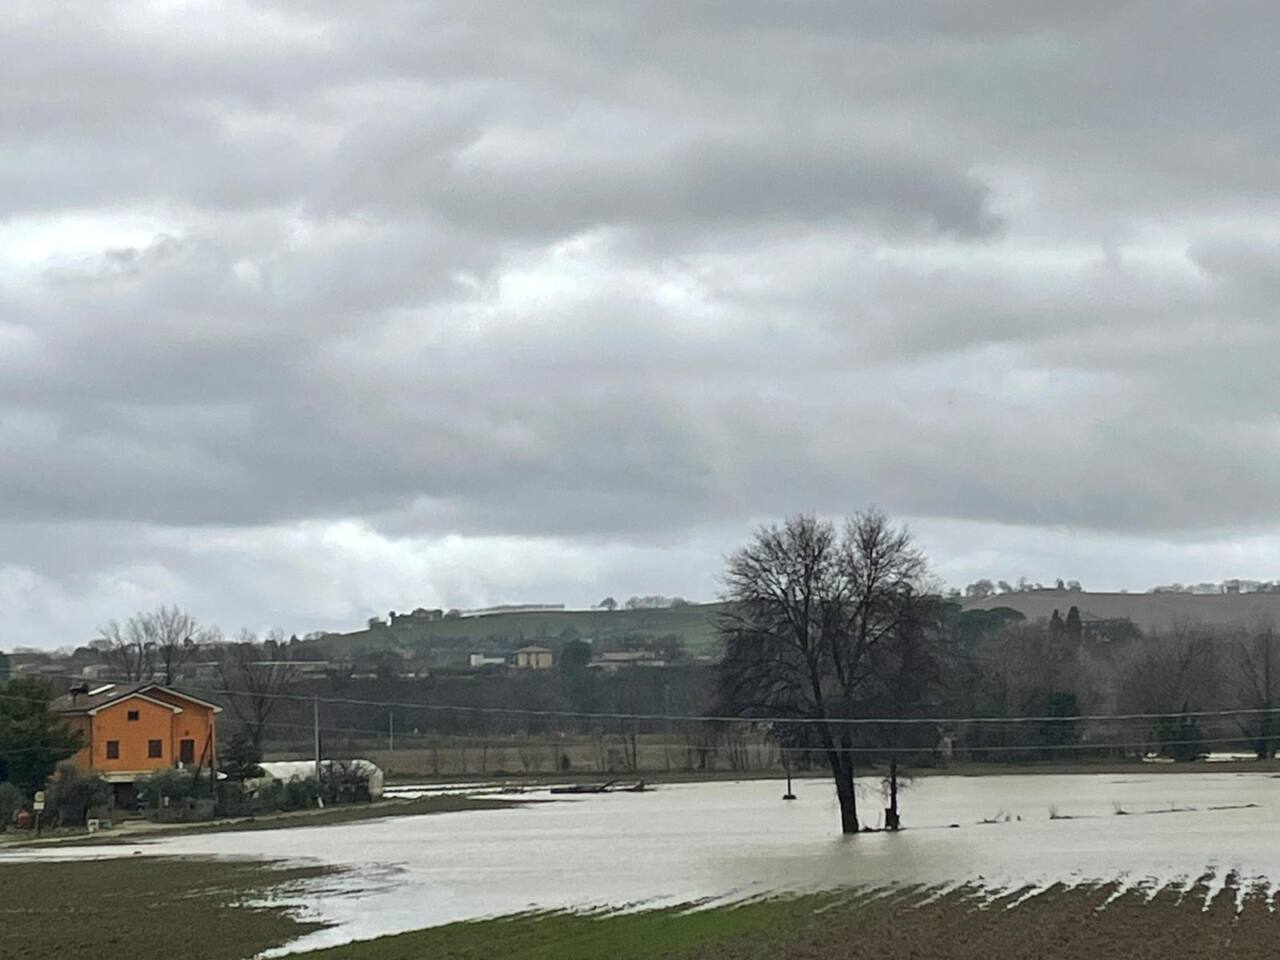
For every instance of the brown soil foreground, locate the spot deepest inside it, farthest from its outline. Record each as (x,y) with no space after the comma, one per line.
(898,925)
(144,908)
(1076,924)
(159,908)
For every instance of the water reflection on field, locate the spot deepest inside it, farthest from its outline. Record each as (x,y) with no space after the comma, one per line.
(732,840)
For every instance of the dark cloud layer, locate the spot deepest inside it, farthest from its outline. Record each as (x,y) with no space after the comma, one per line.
(458,302)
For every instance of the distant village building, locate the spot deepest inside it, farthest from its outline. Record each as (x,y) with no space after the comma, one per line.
(419,615)
(303,668)
(131,730)
(1106,630)
(534,658)
(51,669)
(481,660)
(616,660)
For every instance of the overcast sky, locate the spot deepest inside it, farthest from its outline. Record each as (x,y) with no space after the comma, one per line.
(312,310)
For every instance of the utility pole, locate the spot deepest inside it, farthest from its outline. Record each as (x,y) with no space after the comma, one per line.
(315,713)
(391,730)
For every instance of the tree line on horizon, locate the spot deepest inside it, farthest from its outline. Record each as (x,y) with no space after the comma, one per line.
(824,623)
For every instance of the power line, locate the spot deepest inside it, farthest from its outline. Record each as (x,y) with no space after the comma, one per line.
(760,720)
(727,748)
(1084,747)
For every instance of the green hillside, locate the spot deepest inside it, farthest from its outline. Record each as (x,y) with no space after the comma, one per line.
(693,625)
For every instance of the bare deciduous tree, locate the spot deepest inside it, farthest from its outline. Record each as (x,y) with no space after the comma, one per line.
(808,611)
(130,656)
(154,645)
(1173,675)
(255,677)
(1255,673)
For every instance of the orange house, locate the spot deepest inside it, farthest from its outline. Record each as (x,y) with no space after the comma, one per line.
(132,730)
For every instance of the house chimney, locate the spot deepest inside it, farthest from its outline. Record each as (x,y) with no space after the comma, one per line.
(76,690)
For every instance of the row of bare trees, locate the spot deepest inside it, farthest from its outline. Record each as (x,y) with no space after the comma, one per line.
(1179,692)
(1191,670)
(155,645)
(255,674)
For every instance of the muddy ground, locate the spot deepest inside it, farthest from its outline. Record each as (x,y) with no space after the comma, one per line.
(148,908)
(1056,925)
(144,908)
(1059,924)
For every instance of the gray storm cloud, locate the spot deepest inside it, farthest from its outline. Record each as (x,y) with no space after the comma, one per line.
(390,296)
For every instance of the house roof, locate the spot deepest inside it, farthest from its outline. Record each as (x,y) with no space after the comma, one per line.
(163,691)
(99,695)
(534,650)
(105,694)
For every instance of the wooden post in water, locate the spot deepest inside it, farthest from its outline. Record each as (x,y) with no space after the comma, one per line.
(786,762)
(891,821)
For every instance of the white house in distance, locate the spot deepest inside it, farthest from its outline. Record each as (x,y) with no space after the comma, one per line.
(533,658)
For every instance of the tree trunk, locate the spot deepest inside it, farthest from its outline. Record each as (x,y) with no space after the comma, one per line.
(843,772)
(841,762)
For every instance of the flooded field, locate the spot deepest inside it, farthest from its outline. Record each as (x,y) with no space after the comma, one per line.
(724,841)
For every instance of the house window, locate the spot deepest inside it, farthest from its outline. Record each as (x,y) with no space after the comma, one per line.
(154,749)
(113,749)
(133,716)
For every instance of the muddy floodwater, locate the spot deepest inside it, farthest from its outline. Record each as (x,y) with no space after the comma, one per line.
(724,841)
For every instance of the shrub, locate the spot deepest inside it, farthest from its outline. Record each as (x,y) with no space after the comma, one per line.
(344,783)
(72,794)
(11,801)
(234,800)
(277,795)
(176,785)
(299,794)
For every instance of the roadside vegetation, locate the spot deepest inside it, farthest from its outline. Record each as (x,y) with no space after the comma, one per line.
(134,831)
